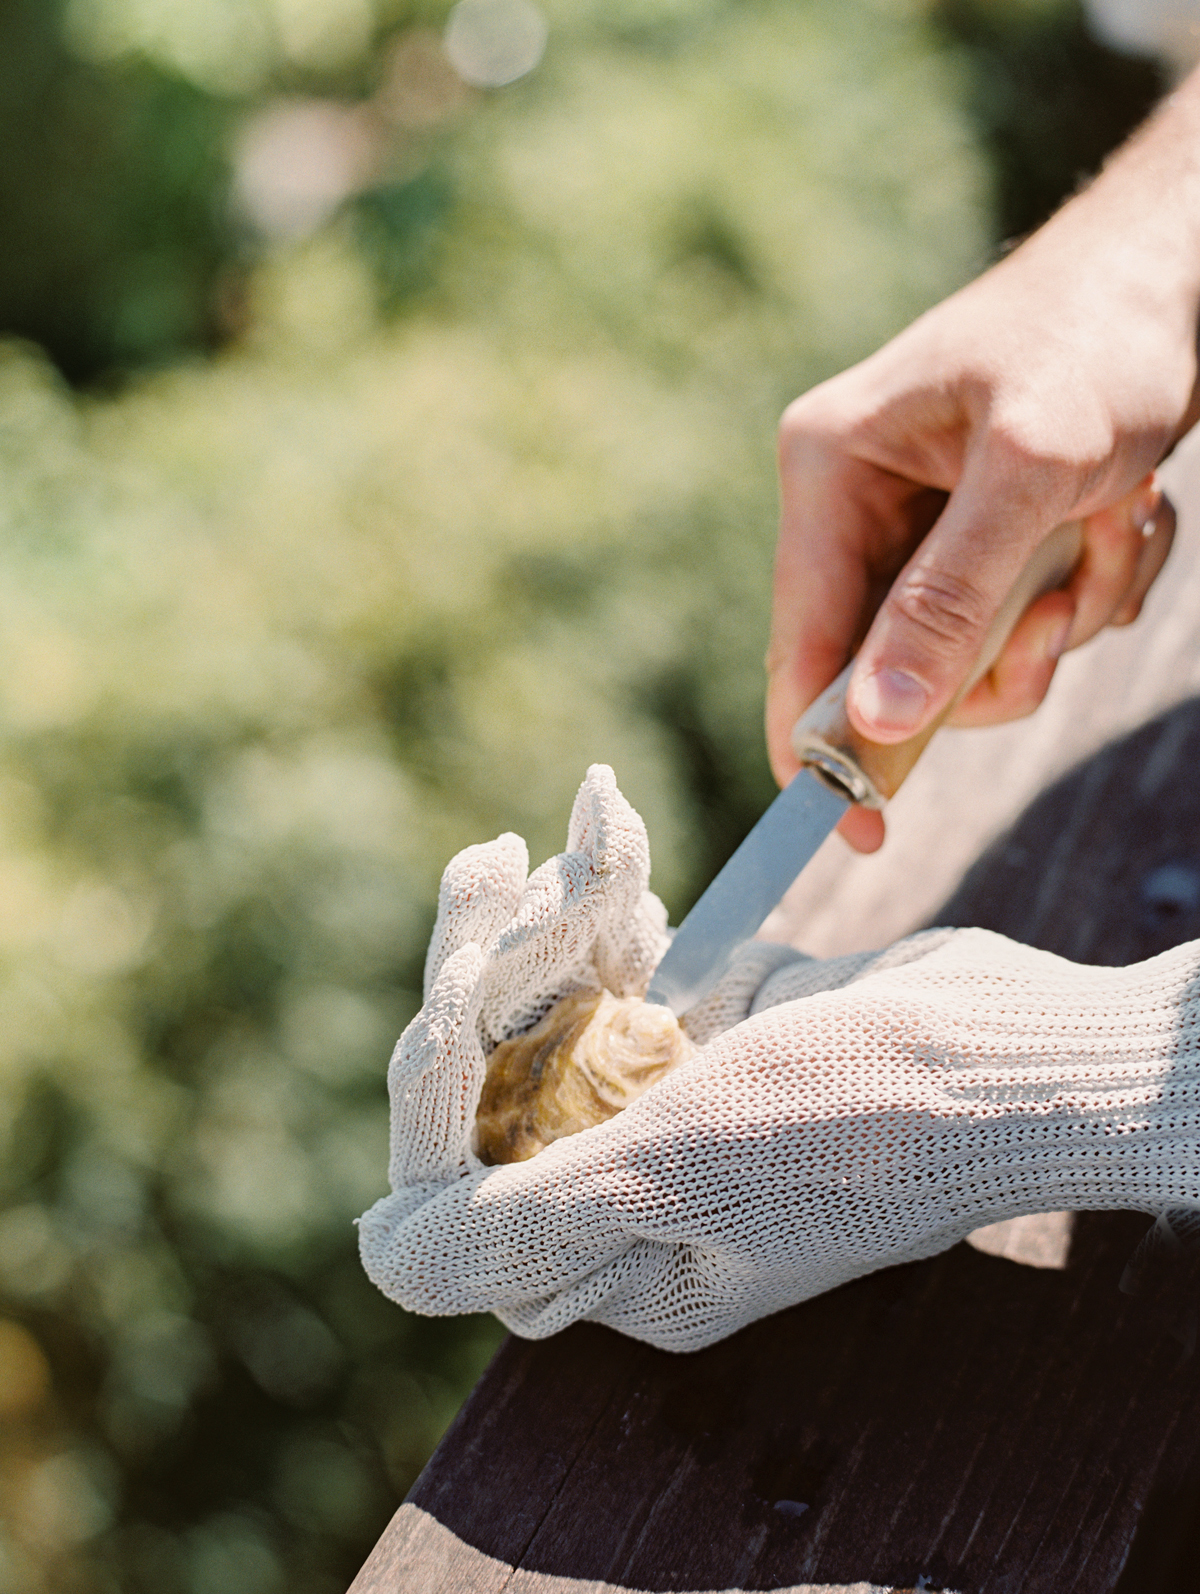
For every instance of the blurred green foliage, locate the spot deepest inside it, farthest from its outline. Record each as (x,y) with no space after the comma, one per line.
(114,238)
(1048,100)
(478,489)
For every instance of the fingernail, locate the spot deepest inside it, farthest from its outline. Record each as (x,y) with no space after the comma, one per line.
(891,700)
(1056,641)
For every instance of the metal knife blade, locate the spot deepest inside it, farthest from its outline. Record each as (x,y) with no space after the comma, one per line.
(747,888)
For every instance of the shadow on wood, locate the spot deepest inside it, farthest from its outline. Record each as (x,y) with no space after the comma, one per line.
(964,1423)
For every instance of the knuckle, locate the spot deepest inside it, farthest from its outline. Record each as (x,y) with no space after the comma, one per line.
(795,417)
(801,430)
(1114,542)
(945,609)
(1051,449)
(816,422)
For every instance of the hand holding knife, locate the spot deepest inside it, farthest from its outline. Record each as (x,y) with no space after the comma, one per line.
(839,767)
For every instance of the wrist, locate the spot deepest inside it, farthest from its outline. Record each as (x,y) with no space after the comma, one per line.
(1046,1084)
(1117,1139)
(1134,232)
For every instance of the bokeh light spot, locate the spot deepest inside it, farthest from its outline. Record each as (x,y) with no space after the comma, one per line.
(494,42)
(68,1498)
(297,160)
(24,1373)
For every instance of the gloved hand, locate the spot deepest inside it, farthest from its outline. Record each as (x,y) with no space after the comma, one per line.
(504,950)
(867,1111)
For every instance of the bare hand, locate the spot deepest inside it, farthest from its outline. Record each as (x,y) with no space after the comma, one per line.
(921,480)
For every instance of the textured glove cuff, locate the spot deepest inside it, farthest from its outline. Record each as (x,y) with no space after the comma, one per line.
(1002,1080)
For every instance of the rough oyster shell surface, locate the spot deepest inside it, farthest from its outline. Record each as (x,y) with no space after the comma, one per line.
(590,1056)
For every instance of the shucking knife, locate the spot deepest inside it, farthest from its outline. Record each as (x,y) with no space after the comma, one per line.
(838,767)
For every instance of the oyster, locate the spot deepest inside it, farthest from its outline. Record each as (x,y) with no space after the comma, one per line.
(590,1056)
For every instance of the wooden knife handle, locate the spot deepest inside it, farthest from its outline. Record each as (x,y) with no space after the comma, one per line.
(871,772)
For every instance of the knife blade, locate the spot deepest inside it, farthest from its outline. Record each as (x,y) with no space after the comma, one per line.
(838,767)
(746,889)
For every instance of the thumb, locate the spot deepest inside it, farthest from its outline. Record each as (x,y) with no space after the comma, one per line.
(931,627)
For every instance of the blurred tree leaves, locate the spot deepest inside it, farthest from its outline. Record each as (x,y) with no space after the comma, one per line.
(399,228)
(1049,100)
(111,188)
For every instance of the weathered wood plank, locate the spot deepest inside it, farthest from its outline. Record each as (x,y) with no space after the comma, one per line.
(966,1421)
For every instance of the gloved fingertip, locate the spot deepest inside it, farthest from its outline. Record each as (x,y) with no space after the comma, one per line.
(458,979)
(600,815)
(510,861)
(486,870)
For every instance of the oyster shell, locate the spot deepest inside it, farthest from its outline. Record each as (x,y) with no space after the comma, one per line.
(590,1056)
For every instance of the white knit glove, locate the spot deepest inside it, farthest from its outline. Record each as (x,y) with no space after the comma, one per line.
(870,1110)
(504,950)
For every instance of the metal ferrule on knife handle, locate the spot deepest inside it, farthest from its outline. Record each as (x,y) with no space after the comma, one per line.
(871,772)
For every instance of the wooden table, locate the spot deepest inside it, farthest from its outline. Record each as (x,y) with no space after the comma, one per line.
(966,1423)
